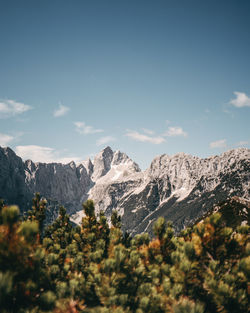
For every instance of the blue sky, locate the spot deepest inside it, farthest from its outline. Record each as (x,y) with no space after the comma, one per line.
(145,77)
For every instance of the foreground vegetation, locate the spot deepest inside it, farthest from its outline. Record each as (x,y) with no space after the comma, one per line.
(97,268)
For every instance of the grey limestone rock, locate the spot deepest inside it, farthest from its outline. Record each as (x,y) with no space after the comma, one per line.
(181,187)
(12,178)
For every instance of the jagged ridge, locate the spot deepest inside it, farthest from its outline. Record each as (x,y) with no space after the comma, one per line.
(181,187)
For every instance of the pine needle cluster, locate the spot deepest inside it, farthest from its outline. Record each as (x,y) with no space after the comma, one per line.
(96,268)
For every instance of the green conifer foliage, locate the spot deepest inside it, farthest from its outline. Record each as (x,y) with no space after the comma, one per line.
(38,212)
(1,208)
(97,268)
(21,274)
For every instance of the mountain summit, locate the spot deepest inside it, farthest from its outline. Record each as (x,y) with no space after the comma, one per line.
(181,187)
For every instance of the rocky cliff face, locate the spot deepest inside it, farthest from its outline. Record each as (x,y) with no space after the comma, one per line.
(12,178)
(181,187)
(67,184)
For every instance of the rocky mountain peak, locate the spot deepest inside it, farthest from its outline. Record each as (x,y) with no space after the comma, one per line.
(102,163)
(181,187)
(112,163)
(12,177)
(9,153)
(121,158)
(107,150)
(88,166)
(238,152)
(72,165)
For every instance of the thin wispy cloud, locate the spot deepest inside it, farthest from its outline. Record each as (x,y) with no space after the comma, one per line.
(144,138)
(150,136)
(5,139)
(218,144)
(175,131)
(148,131)
(84,129)
(10,108)
(230,113)
(242,143)
(105,140)
(241,100)
(43,154)
(61,111)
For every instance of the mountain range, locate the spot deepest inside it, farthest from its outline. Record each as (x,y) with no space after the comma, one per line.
(181,188)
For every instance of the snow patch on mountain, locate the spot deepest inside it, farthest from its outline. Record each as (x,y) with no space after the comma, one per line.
(179,187)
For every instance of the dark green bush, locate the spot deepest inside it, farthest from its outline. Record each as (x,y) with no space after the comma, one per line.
(97,268)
